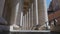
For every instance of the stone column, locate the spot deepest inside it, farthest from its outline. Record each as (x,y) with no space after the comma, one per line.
(17,12)
(24,26)
(14,10)
(7,11)
(23,23)
(31,16)
(42,12)
(2,2)
(20,13)
(17,8)
(27,21)
(34,13)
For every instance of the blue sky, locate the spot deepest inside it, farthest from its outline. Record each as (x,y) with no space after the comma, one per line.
(48,2)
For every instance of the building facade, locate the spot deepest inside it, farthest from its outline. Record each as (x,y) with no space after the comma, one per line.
(54,15)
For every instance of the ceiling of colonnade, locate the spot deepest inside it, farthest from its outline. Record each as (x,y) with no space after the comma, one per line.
(27,4)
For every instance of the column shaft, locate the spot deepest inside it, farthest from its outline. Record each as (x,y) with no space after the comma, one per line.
(34,12)
(32,15)
(29,19)
(2,2)
(42,12)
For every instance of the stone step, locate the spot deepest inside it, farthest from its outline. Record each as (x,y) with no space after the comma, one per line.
(30,32)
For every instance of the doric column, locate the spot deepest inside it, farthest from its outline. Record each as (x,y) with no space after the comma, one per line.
(34,13)
(42,13)
(17,12)
(17,9)
(31,16)
(15,5)
(2,2)
(20,13)
(46,14)
(23,23)
(27,21)
(7,10)
(24,26)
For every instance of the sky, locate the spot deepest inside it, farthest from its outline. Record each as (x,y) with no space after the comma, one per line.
(47,3)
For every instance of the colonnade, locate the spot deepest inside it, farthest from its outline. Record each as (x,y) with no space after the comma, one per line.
(36,14)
